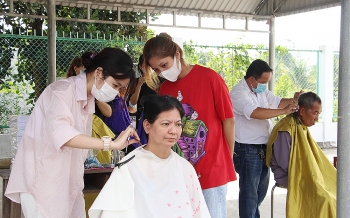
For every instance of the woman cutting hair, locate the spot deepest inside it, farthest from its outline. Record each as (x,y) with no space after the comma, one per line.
(47,174)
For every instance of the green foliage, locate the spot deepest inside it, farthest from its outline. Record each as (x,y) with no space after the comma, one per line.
(26,40)
(6,53)
(19,24)
(190,53)
(78,29)
(75,28)
(14,98)
(230,61)
(33,60)
(291,73)
(335,110)
(336,86)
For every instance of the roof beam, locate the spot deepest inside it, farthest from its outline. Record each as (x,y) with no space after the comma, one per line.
(128,23)
(95,4)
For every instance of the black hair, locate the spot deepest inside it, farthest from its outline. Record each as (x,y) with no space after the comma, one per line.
(154,104)
(257,68)
(114,62)
(140,64)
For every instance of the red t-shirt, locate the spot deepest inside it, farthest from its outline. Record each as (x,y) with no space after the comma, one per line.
(206,100)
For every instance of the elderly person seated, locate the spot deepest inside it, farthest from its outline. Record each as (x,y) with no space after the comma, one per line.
(300,165)
(152,180)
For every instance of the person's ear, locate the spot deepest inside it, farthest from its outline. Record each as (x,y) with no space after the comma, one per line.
(98,72)
(177,54)
(146,126)
(251,81)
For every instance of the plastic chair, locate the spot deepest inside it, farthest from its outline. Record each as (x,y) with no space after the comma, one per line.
(272,190)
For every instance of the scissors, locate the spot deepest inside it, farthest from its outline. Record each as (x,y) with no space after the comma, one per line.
(128,139)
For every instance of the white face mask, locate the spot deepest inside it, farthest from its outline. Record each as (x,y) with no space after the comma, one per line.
(105,94)
(172,73)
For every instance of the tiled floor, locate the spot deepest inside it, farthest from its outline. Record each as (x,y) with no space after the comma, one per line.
(265,208)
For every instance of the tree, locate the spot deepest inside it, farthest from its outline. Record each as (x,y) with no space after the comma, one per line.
(230,61)
(32,63)
(291,73)
(109,30)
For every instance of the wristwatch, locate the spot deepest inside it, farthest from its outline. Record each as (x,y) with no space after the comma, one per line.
(106,142)
(132,105)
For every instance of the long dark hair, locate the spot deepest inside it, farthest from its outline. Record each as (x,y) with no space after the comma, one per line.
(76,62)
(140,64)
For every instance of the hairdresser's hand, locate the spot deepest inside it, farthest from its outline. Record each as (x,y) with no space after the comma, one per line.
(291,108)
(296,96)
(124,140)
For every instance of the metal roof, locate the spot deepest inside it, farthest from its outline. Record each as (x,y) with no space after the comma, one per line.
(204,8)
(287,7)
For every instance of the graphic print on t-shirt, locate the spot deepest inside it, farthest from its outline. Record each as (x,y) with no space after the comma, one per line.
(194,134)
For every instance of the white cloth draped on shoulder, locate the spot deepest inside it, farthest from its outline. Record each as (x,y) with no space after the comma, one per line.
(148,186)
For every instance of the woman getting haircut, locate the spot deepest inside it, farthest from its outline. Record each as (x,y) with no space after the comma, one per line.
(153,181)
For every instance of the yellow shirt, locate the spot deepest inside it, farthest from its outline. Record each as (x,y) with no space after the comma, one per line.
(99,129)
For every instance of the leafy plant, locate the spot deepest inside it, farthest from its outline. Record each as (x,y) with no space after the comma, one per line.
(14,99)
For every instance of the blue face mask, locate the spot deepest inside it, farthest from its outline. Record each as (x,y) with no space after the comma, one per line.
(260,88)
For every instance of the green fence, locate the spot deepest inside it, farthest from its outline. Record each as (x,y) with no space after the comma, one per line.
(294,69)
(24,65)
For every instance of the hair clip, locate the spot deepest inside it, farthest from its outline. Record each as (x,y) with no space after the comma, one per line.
(93,55)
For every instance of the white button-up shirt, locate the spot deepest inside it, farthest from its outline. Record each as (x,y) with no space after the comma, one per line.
(247,129)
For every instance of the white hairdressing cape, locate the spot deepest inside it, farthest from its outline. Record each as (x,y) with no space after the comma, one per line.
(148,186)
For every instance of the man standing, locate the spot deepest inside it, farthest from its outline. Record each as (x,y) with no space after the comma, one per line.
(299,164)
(254,106)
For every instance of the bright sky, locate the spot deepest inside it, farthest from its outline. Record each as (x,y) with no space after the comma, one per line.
(301,31)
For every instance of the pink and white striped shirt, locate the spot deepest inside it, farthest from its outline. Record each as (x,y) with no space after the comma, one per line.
(44,167)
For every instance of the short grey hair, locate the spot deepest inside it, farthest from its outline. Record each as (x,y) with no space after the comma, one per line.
(307,99)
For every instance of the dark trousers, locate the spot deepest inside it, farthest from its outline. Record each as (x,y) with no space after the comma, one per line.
(249,161)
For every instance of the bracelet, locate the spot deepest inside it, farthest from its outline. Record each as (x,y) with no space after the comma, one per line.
(132,105)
